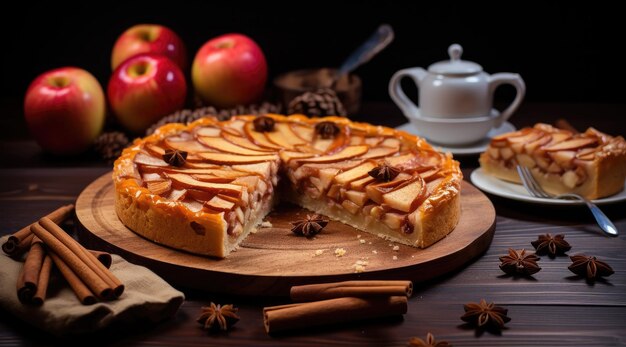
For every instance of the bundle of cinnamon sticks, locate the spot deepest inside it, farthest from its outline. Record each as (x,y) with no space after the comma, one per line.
(330,303)
(86,271)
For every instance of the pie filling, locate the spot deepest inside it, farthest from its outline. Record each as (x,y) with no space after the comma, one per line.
(592,163)
(369,177)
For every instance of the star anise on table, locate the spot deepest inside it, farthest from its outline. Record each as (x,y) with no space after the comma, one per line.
(175,157)
(218,317)
(589,267)
(551,245)
(327,130)
(485,315)
(518,262)
(263,124)
(384,173)
(429,342)
(310,225)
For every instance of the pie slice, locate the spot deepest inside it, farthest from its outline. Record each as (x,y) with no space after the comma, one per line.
(591,164)
(376,179)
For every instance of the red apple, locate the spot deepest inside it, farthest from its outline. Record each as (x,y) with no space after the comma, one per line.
(149,38)
(145,88)
(64,110)
(229,70)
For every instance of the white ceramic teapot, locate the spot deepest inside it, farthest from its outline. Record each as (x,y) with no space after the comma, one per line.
(455,89)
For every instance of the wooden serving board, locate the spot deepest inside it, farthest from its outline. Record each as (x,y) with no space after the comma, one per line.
(273,259)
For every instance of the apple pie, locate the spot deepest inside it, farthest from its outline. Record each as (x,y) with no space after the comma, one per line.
(205,186)
(591,164)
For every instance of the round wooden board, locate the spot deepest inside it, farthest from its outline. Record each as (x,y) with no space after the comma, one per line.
(272,260)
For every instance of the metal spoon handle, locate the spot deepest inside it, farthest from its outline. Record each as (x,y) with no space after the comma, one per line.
(374,44)
(603,221)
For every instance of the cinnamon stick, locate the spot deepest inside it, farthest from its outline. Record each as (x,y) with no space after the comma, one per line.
(84,295)
(86,257)
(103,257)
(14,242)
(28,279)
(322,291)
(301,315)
(97,284)
(44,280)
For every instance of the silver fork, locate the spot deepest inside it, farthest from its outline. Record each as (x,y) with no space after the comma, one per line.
(533,187)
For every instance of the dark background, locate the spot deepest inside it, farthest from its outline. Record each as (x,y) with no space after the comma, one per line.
(565,52)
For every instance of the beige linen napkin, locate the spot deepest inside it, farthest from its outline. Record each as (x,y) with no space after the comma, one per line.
(147,297)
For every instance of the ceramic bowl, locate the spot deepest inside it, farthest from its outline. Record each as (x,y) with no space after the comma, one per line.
(455,131)
(291,84)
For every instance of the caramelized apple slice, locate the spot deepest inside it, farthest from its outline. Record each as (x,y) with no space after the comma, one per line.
(391,143)
(347,153)
(361,183)
(304,132)
(217,188)
(244,142)
(208,131)
(380,152)
(573,144)
(250,182)
(177,194)
(191,146)
(220,204)
(212,178)
(263,169)
(259,138)
(283,136)
(376,191)
(359,198)
(159,187)
(228,158)
(146,159)
(350,206)
(152,176)
(287,156)
(532,146)
(155,150)
(531,136)
(407,197)
(222,145)
(355,173)
(563,158)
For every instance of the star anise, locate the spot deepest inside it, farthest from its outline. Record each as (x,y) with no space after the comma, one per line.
(384,173)
(519,262)
(589,267)
(327,130)
(263,124)
(551,245)
(429,342)
(309,226)
(175,157)
(484,315)
(218,317)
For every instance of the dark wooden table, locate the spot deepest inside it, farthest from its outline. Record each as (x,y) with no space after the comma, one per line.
(553,308)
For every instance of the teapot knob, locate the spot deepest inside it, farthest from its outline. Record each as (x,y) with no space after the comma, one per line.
(455,50)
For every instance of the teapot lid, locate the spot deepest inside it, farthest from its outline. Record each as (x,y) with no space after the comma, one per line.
(455,66)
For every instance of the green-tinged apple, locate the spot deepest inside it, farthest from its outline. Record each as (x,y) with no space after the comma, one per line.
(229,70)
(65,109)
(145,88)
(149,38)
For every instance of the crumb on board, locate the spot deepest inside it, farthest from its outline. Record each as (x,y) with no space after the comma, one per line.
(395,257)
(254,230)
(396,248)
(266,224)
(340,252)
(375,251)
(359,266)
(358,236)
(318,252)
(361,241)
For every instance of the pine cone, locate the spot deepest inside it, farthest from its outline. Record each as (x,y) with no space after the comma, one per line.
(187,116)
(323,102)
(110,145)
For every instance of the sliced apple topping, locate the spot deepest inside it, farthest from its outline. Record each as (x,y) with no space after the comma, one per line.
(361,183)
(393,220)
(212,178)
(347,153)
(208,131)
(177,194)
(380,152)
(304,132)
(250,182)
(355,173)
(391,143)
(526,160)
(359,198)
(563,158)
(151,176)
(530,136)
(263,169)
(259,138)
(159,187)
(287,156)
(350,206)
(493,152)
(407,197)
(532,146)
(573,144)
(377,190)
(192,205)
(222,145)
(228,158)
(218,203)
(356,140)
(155,150)
(189,182)
(283,136)
(506,153)
(191,146)
(244,142)
(146,159)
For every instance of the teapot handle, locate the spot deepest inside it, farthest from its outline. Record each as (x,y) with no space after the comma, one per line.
(516,81)
(405,104)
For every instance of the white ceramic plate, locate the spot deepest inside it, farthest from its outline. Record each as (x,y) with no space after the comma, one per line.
(475,148)
(514,191)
